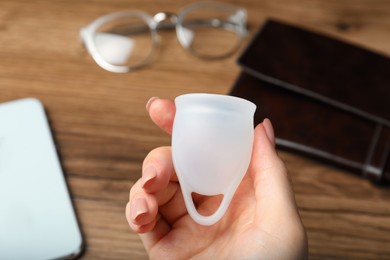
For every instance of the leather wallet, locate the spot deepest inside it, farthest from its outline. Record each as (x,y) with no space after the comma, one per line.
(325,97)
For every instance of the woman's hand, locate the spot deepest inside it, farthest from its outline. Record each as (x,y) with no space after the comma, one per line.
(262,221)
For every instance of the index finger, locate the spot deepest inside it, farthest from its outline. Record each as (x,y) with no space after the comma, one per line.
(162,112)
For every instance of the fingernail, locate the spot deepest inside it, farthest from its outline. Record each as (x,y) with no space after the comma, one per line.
(139,207)
(149,103)
(269,130)
(148,175)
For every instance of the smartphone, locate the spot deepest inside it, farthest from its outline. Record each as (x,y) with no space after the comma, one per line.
(37,217)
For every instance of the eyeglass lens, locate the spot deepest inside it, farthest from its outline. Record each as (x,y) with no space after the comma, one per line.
(126,41)
(211,32)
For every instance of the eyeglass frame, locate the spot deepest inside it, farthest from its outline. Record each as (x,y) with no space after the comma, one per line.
(153,22)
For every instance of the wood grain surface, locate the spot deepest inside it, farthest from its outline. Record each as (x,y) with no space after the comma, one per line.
(103,132)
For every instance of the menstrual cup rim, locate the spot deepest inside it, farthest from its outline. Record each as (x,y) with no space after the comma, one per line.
(230,102)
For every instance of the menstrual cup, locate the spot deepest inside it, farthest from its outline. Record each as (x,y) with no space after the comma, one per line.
(212,141)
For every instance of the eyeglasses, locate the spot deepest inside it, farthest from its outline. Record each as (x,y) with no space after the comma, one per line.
(123,41)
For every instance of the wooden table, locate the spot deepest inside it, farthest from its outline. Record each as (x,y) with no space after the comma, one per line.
(103,131)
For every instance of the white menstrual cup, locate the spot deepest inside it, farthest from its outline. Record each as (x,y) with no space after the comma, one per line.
(212,141)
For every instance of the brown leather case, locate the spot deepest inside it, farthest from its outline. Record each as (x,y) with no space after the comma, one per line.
(325,97)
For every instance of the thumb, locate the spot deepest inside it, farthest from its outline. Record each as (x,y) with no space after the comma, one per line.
(272,185)
(276,211)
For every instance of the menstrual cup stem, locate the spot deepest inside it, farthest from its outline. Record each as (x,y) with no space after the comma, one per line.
(206,220)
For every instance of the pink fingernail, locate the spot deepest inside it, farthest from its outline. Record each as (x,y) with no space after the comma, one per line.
(269,130)
(138,208)
(149,103)
(148,175)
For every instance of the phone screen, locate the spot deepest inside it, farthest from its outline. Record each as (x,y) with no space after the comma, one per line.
(37,218)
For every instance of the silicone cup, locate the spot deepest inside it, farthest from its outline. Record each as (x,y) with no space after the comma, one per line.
(212,141)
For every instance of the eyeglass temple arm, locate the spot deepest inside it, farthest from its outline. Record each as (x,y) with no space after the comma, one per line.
(230,25)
